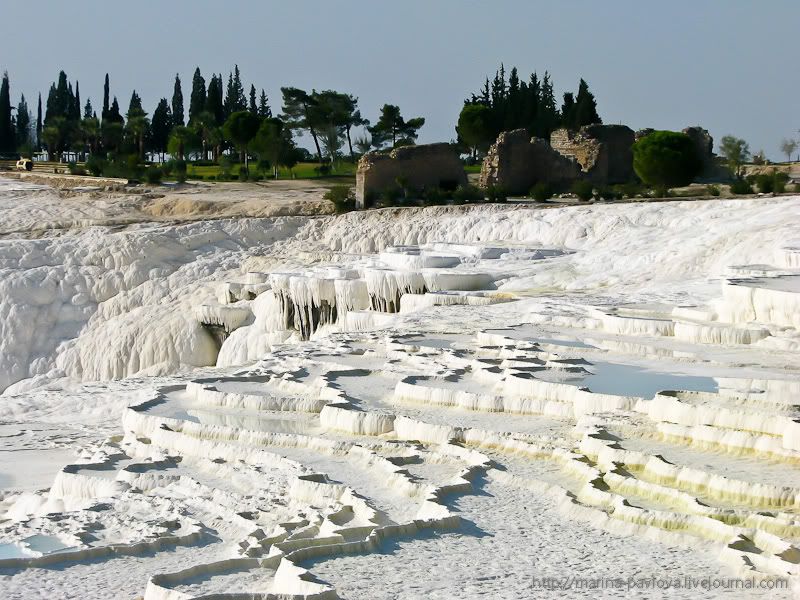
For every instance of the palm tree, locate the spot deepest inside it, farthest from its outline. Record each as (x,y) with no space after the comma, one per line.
(138,126)
(90,130)
(181,139)
(205,124)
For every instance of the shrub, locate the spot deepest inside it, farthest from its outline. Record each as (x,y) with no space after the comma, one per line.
(153,174)
(390,196)
(323,170)
(541,192)
(233,178)
(95,165)
(666,159)
(211,178)
(180,170)
(225,165)
(780,181)
(74,169)
(661,191)
(343,198)
(256,177)
(496,193)
(433,196)
(765,183)
(609,193)
(631,189)
(741,186)
(467,193)
(448,185)
(712,190)
(583,189)
(167,167)
(262,166)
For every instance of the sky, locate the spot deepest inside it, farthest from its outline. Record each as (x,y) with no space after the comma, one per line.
(727,65)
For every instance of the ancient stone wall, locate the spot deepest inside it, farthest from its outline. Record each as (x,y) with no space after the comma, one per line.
(517,162)
(423,166)
(603,151)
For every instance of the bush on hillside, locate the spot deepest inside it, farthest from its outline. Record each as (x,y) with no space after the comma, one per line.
(343,198)
(765,183)
(541,192)
(95,165)
(75,169)
(467,193)
(496,193)
(666,159)
(584,190)
(741,186)
(153,174)
(779,184)
(180,170)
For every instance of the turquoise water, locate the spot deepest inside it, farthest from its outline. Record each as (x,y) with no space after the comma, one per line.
(629,380)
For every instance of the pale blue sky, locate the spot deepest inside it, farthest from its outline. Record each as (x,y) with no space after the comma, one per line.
(729,65)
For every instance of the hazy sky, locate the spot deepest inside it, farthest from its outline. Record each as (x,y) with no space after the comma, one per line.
(728,65)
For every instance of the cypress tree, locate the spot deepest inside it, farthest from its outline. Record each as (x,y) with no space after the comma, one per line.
(23,134)
(106,93)
(6,131)
(87,110)
(161,126)
(39,123)
(177,103)
(214,103)
(197,101)
(568,111)
(76,111)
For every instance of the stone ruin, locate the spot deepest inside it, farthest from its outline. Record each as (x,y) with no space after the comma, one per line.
(599,153)
(516,162)
(420,167)
(603,151)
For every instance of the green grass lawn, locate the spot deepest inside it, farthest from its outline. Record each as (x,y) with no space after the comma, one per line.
(472,168)
(342,170)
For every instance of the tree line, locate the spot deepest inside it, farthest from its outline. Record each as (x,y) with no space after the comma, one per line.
(221,117)
(508,103)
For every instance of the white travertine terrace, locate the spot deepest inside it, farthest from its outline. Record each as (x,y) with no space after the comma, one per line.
(396,403)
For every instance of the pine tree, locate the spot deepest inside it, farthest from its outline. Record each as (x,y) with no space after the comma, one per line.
(106,93)
(114,115)
(264,111)
(7,141)
(253,108)
(235,100)
(177,103)
(585,107)
(135,108)
(547,116)
(197,101)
